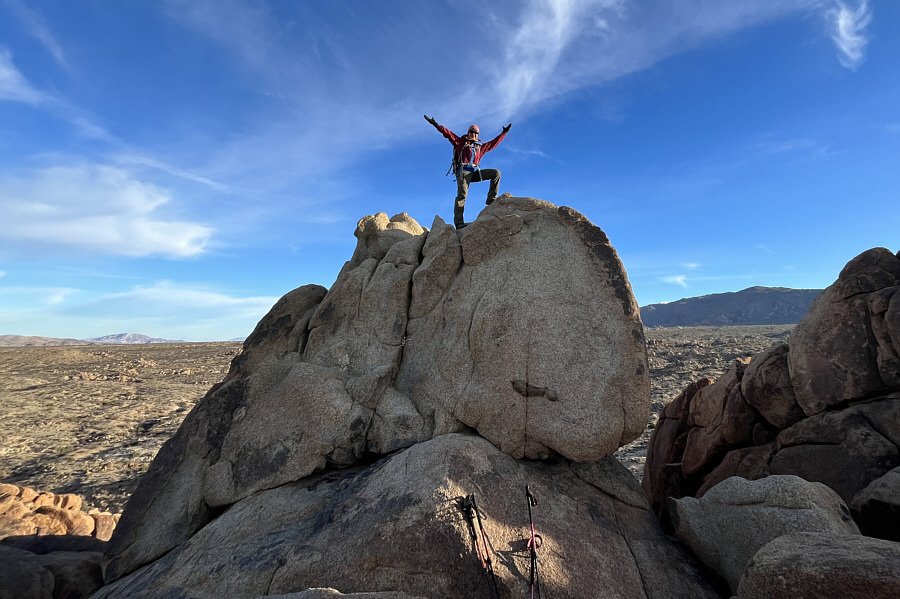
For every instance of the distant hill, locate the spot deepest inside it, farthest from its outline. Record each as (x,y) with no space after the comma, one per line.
(752,306)
(120,339)
(31,341)
(129,339)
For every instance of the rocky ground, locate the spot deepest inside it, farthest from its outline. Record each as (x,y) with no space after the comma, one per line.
(89,419)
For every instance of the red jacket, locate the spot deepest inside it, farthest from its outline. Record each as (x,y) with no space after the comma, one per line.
(461,154)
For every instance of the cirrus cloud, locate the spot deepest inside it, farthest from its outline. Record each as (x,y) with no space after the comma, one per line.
(848,30)
(96,209)
(14,86)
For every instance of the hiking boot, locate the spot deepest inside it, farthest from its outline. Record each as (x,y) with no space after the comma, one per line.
(489,201)
(461,225)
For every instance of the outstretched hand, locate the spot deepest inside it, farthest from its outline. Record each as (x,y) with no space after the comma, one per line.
(431,120)
(507,128)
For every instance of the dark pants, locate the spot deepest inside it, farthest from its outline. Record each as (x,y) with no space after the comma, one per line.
(463,178)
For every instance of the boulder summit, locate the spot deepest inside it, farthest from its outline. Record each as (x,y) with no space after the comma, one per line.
(520,329)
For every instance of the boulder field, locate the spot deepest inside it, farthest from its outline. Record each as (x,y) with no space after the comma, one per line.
(822,408)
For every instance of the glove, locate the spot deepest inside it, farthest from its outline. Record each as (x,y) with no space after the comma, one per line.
(430,120)
(507,128)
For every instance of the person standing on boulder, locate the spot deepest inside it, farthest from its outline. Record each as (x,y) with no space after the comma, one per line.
(467,153)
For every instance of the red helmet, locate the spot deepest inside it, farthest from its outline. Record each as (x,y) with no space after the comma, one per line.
(474,129)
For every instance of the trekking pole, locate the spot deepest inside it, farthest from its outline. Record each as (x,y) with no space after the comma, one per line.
(535,542)
(470,509)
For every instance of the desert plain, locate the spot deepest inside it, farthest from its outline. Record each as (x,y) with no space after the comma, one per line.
(88,419)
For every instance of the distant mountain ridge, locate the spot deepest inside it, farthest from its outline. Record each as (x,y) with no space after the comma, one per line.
(129,339)
(118,339)
(34,341)
(751,306)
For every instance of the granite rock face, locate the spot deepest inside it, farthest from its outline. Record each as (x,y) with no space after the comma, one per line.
(398,526)
(522,327)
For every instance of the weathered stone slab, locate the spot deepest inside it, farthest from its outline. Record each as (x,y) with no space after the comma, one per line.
(396,526)
(734,519)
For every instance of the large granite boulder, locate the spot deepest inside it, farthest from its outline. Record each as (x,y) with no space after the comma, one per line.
(521,327)
(810,565)
(397,526)
(847,346)
(825,406)
(732,521)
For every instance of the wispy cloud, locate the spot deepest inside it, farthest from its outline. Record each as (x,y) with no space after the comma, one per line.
(680,280)
(529,53)
(130,159)
(848,30)
(14,86)
(683,280)
(165,298)
(38,29)
(554,47)
(16,297)
(173,310)
(544,34)
(515,149)
(809,149)
(94,208)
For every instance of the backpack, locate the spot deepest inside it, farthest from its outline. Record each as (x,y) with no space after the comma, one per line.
(468,151)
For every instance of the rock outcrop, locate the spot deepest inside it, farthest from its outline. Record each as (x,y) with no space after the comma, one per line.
(823,566)
(24,511)
(825,406)
(49,547)
(737,517)
(397,526)
(521,328)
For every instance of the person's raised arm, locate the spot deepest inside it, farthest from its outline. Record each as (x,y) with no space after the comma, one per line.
(490,145)
(444,131)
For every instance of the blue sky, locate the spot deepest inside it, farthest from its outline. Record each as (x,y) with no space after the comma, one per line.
(172,168)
